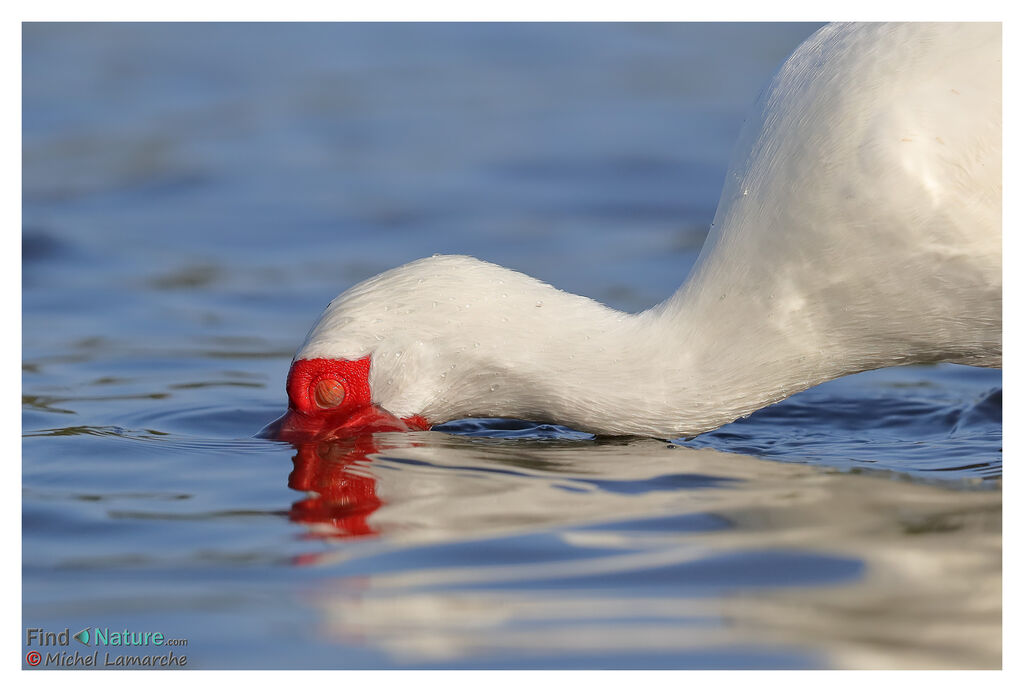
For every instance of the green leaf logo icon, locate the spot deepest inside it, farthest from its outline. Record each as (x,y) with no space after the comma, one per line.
(83,636)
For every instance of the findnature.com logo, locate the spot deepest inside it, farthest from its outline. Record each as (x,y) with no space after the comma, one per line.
(97,637)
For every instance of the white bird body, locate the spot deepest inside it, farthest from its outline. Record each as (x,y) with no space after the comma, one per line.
(859,227)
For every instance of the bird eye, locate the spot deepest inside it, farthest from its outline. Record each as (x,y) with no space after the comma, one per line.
(328,393)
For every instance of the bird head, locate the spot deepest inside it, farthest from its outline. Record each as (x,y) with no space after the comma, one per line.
(415,346)
(444,338)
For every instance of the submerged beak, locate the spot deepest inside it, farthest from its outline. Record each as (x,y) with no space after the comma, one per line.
(296,426)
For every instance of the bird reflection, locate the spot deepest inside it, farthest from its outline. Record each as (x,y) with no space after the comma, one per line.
(343,490)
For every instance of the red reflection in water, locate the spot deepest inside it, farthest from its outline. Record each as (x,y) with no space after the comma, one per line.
(346,493)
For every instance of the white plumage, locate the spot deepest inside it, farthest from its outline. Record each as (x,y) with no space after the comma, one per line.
(859,227)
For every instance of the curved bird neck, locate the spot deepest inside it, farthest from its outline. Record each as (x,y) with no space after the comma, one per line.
(537,353)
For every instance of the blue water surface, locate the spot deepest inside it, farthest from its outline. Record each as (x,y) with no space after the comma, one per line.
(195,194)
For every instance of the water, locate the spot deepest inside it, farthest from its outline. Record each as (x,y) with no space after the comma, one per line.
(193,197)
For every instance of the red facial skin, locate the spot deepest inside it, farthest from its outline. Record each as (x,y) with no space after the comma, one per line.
(310,418)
